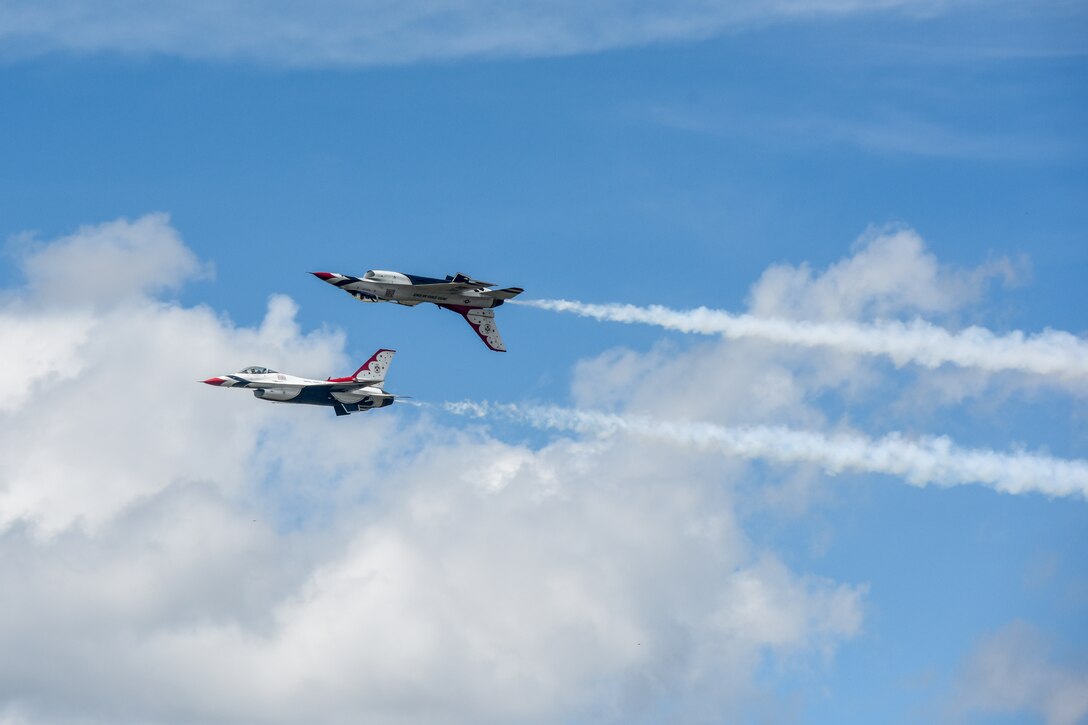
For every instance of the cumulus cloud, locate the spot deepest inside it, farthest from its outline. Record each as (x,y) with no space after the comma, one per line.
(1014,670)
(328,32)
(108,264)
(182,553)
(890,273)
(99,375)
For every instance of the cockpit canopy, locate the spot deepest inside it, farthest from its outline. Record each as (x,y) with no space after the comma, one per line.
(379,276)
(256,370)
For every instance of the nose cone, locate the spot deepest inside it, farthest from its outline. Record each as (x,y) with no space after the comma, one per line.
(213,381)
(324,276)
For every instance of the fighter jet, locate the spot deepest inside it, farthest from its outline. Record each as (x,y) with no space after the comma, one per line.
(357,393)
(468,297)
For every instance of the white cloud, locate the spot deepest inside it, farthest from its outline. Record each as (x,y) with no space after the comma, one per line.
(184,553)
(890,273)
(330,32)
(107,383)
(189,554)
(108,264)
(881,132)
(1013,670)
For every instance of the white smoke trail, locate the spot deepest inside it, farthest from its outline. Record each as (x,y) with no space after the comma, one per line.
(922,461)
(1051,352)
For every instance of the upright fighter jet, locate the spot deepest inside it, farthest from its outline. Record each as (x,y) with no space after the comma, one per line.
(358,393)
(468,297)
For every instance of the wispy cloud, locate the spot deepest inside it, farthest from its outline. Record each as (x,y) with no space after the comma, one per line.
(1051,352)
(906,134)
(921,461)
(369,32)
(881,132)
(1014,670)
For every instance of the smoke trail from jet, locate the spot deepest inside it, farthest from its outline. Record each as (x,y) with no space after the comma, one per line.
(1051,352)
(920,461)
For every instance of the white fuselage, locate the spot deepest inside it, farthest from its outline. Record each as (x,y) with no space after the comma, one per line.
(282,388)
(402,289)
(360,391)
(470,298)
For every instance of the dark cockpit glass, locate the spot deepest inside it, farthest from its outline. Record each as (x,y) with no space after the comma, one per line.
(257,370)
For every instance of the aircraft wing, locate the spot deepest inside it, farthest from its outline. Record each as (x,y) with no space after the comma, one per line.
(482,322)
(283,385)
(344,386)
(445,287)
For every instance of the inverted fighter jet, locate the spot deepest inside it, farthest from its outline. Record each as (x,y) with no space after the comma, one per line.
(470,298)
(358,393)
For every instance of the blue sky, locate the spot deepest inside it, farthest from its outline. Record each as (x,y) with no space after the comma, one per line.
(812,161)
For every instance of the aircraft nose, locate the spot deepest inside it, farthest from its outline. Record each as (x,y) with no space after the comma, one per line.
(323,276)
(212,381)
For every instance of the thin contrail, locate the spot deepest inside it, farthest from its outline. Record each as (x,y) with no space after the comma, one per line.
(920,461)
(1051,352)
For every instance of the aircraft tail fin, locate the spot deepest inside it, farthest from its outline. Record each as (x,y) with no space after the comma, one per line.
(375,369)
(372,371)
(482,322)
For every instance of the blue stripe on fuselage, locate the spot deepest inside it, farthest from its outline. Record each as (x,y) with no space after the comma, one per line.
(321,395)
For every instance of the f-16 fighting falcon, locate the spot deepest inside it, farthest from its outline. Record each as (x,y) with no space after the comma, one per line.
(359,392)
(468,297)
